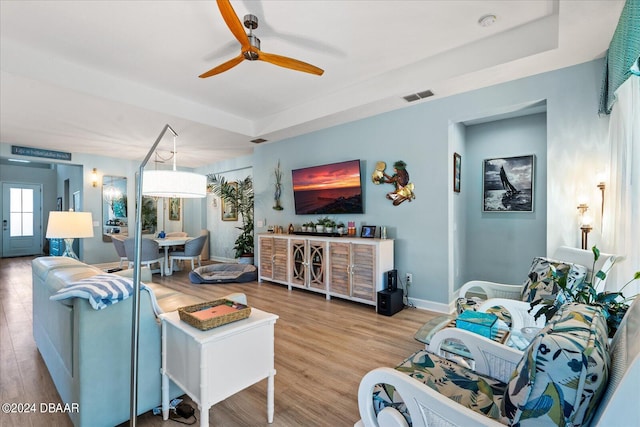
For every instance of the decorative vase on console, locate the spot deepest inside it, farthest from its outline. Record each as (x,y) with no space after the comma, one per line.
(162,234)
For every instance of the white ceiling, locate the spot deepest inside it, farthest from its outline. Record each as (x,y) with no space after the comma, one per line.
(104,77)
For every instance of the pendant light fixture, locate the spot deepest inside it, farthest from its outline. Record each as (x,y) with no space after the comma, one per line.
(174,183)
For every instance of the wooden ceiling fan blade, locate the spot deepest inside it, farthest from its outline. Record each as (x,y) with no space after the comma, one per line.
(293,64)
(223,67)
(233,22)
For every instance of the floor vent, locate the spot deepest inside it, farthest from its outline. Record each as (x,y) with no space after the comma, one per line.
(417,96)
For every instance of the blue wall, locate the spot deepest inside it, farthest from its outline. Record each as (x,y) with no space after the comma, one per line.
(429,230)
(501,245)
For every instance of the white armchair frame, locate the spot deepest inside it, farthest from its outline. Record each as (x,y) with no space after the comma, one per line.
(508,296)
(563,253)
(426,406)
(490,357)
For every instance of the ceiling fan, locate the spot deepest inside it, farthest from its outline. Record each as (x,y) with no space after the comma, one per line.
(250,45)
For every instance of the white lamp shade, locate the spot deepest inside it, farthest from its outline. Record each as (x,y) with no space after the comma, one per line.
(169,183)
(69,225)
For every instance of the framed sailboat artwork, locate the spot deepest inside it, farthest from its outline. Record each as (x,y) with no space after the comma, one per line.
(508,184)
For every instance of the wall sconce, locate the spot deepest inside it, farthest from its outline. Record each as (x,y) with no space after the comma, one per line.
(582,208)
(94,177)
(586,228)
(601,185)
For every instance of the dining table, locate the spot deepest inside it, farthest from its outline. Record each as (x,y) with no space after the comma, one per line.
(168,242)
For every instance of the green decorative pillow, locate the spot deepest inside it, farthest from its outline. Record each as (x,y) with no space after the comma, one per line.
(563,373)
(540,283)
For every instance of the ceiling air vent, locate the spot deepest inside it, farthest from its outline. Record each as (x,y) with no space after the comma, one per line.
(417,96)
(258,140)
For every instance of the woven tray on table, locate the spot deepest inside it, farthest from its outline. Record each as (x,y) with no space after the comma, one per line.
(242,312)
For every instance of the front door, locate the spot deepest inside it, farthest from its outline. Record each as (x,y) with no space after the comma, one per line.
(21,219)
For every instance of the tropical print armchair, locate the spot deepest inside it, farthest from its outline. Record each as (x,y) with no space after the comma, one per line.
(559,380)
(511,304)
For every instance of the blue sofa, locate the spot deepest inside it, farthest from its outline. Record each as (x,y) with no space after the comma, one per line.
(88,351)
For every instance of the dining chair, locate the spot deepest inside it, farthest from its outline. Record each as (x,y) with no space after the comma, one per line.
(150,253)
(118,244)
(192,251)
(204,255)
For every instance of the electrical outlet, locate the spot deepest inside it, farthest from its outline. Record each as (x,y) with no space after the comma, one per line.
(409,279)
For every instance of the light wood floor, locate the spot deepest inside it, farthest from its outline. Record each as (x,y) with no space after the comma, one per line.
(322,349)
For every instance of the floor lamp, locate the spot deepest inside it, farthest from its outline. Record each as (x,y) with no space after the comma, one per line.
(69,225)
(157,183)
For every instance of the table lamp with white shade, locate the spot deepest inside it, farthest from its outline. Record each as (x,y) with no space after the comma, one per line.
(69,225)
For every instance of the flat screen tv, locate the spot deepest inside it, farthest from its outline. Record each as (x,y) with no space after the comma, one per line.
(328,189)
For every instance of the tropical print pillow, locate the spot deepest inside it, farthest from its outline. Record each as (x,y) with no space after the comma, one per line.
(563,373)
(541,284)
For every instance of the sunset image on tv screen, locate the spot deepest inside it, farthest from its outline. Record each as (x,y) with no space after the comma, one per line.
(328,189)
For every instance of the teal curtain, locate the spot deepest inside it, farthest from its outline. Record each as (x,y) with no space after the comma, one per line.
(623,53)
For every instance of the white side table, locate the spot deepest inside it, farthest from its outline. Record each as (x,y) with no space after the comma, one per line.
(212,365)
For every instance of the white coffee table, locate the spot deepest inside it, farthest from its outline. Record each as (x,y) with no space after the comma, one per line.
(212,365)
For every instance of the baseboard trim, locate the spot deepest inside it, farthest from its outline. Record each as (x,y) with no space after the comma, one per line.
(432,306)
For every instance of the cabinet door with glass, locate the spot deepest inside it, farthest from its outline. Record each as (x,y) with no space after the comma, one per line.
(316,262)
(308,263)
(299,262)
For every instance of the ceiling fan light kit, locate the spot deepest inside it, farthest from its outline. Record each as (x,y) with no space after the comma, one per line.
(250,45)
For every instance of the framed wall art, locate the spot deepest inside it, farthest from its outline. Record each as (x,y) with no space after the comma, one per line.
(174,209)
(457,168)
(508,184)
(59,204)
(229,211)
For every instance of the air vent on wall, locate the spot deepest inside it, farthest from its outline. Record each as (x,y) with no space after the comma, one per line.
(417,96)
(258,140)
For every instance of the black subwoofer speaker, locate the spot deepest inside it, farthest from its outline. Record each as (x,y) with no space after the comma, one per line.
(392,280)
(390,302)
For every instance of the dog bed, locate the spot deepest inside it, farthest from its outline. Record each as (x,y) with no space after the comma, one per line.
(224,273)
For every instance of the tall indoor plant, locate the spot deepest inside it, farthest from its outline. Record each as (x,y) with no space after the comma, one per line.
(242,197)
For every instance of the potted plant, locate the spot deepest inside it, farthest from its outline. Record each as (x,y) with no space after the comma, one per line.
(149,215)
(323,224)
(329,224)
(613,304)
(242,196)
(340,227)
